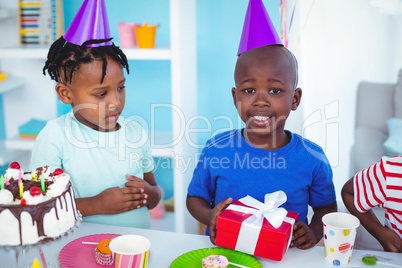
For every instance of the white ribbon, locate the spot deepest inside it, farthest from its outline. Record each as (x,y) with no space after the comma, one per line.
(248,237)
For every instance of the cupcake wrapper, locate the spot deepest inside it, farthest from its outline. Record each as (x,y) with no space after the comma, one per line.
(103,259)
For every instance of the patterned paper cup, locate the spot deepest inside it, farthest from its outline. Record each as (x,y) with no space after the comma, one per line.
(339,237)
(130,251)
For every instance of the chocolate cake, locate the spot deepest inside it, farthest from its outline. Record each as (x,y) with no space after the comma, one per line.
(35,206)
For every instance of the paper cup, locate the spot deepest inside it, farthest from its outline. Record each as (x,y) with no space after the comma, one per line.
(130,251)
(145,35)
(127,34)
(339,237)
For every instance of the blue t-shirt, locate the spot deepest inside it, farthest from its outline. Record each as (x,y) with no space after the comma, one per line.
(231,167)
(96,161)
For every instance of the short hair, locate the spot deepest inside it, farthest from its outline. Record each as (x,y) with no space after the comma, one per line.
(65,57)
(286,52)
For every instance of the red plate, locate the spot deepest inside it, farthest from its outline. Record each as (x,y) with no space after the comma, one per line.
(78,255)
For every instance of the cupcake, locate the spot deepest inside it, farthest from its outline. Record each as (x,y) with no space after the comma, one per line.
(103,255)
(215,261)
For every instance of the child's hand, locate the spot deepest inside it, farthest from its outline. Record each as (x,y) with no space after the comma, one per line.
(117,200)
(216,211)
(303,237)
(139,185)
(389,240)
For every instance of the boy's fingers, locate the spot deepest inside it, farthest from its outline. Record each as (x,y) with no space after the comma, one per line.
(304,245)
(225,203)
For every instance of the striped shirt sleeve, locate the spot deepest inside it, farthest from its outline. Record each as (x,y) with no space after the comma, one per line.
(370,186)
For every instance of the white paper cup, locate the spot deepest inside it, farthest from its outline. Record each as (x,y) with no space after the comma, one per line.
(130,251)
(339,237)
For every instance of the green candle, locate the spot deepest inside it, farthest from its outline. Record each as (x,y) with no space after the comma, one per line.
(42,183)
(2,181)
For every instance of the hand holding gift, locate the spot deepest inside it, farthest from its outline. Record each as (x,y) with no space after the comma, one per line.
(218,209)
(256,228)
(303,237)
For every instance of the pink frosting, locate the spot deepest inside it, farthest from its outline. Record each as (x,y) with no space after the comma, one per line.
(215,261)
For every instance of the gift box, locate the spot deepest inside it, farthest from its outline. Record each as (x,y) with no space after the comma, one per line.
(256,228)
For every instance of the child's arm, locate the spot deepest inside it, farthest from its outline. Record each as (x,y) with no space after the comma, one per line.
(316,222)
(148,184)
(304,236)
(387,238)
(111,201)
(201,210)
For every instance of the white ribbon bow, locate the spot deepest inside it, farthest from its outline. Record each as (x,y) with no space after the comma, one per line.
(248,237)
(269,209)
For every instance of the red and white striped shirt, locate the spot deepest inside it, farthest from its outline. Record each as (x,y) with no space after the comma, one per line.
(381,185)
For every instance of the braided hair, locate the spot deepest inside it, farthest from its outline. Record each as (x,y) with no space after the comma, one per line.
(66,57)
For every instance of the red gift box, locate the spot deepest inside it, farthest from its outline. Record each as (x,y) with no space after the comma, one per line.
(272,242)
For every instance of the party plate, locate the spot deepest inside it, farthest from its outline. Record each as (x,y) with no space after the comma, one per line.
(194,258)
(78,255)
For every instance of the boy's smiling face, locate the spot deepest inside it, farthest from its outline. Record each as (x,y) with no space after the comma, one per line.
(96,105)
(265,93)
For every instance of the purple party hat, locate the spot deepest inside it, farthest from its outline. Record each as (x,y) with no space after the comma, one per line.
(89,23)
(258,29)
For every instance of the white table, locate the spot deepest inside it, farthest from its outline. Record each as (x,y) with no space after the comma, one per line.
(166,246)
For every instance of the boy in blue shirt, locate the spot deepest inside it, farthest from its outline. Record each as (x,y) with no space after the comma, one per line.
(264,157)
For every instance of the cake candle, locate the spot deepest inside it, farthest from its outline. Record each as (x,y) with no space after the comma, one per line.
(2,181)
(19,178)
(42,183)
(21,188)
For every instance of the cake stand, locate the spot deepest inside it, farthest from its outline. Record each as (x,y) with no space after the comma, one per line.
(25,255)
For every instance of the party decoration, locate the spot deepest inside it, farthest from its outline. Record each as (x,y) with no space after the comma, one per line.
(89,23)
(36,264)
(258,29)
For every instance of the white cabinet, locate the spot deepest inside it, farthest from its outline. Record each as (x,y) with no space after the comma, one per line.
(36,101)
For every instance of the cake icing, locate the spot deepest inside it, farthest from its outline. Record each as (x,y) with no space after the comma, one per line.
(215,261)
(37,214)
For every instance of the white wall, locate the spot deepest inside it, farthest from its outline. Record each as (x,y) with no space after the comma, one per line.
(340,44)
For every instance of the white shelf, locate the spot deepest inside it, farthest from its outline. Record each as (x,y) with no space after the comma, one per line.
(41,53)
(160,144)
(148,54)
(17,143)
(7,13)
(11,83)
(7,155)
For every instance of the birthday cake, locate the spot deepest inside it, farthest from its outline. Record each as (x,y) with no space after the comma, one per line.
(35,206)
